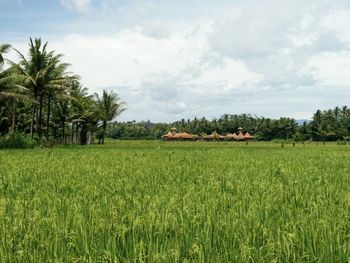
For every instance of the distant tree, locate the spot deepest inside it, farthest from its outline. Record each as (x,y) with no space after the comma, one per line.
(85,113)
(109,107)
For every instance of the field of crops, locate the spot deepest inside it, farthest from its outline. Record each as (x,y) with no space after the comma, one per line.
(176,202)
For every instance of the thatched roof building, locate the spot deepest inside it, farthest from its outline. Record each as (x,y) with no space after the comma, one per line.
(240,136)
(213,136)
(173,135)
(231,136)
(248,136)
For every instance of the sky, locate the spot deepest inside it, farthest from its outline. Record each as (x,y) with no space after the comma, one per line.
(170,60)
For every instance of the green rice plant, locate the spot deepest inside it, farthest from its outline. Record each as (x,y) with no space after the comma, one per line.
(147,201)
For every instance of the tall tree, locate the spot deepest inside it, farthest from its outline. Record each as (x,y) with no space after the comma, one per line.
(85,113)
(109,107)
(9,88)
(43,72)
(4,48)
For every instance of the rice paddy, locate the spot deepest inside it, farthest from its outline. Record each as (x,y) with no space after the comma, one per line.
(176,202)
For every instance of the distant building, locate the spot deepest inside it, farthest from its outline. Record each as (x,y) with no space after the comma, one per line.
(240,136)
(213,137)
(182,136)
(172,135)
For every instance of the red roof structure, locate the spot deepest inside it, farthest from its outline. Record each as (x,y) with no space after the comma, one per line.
(173,135)
(232,136)
(240,136)
(168,135)
(184,135)
(213,136)
(248,136)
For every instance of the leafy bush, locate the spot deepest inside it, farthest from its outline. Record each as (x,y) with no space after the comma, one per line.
(16,141)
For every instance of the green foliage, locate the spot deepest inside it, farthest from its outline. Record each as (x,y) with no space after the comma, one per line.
(15,140)
(39,96)
(4,48)
(263,129)
(109,107)
(331,125)
(176,202)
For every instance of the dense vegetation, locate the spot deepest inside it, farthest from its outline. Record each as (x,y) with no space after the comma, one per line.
(329,125)
(176,202)
(41,98)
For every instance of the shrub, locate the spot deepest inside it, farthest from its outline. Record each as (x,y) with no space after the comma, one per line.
(15,140)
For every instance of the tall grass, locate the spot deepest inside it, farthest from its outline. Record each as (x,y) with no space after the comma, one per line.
(175,202)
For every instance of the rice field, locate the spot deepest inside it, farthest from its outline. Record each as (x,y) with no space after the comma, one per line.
(176,202)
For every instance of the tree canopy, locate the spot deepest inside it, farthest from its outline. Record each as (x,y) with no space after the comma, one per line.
(41,97)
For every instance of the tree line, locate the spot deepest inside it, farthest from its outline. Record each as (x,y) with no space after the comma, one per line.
(40,97)
(327,125)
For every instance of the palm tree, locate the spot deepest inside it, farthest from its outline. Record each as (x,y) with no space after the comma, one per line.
(60,112)
(109,107)
(85,113)
(57,88)
(43,74)
(78,94)
(9,88)
(4,48)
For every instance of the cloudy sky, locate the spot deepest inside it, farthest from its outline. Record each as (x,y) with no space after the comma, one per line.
(180,59)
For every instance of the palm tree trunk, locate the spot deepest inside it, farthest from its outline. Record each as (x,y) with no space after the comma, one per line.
(83,135)
(63,131)
(40,116)
(72,133)
(76,133)
(32,121)
(48,116)
(104,131)
(14,107)
(36,120)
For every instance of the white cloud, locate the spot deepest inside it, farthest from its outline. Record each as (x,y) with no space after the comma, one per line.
(227,75)
(80,6)
(331,68)
(232,58)
(129,58)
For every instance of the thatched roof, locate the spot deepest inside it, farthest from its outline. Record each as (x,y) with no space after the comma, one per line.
(214,135)
(181,135)
(169,134)
(231,136)
(248,136)
(240,136)
(184,135)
